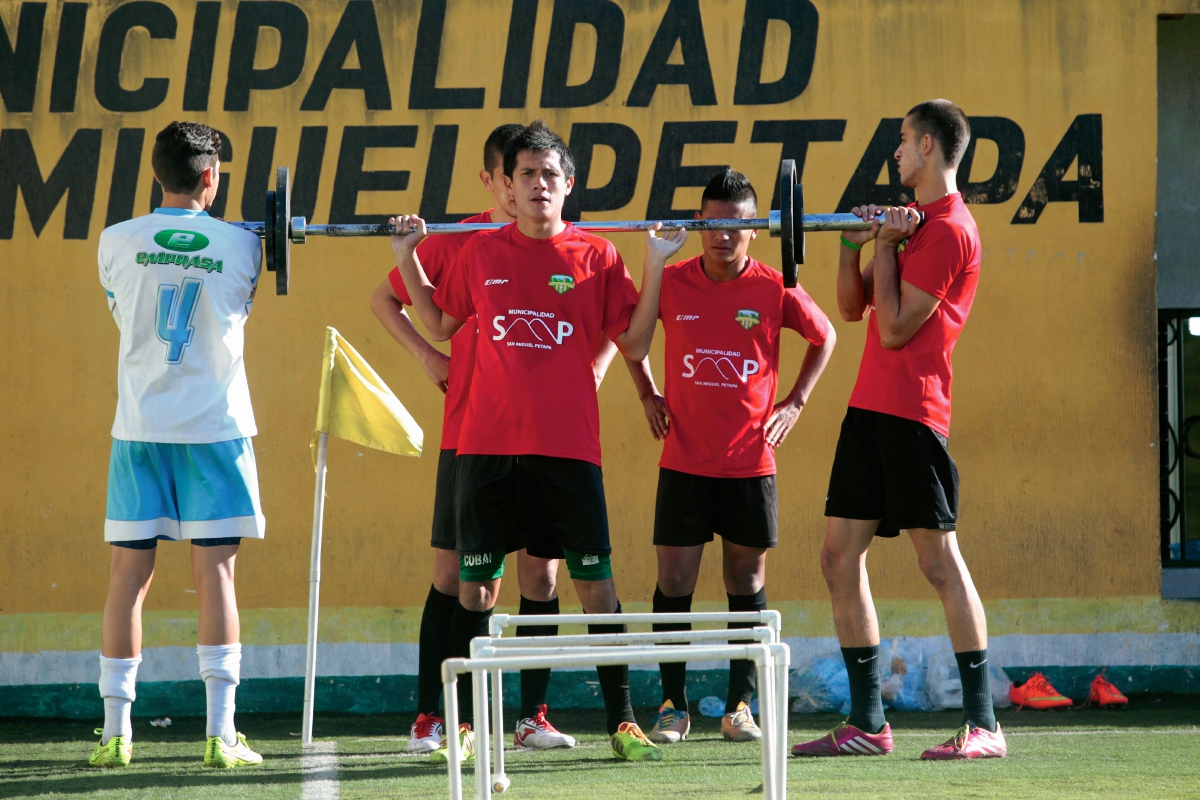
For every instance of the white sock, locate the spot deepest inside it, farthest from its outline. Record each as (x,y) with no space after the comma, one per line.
(220,668)
(118,679)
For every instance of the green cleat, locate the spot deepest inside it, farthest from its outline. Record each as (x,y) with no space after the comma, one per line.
(218,754)
(116,753)
(466,747)
(631,744)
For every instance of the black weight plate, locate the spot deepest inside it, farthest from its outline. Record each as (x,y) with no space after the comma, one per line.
(787,240)
(269,231)
(798,223)
(283,238)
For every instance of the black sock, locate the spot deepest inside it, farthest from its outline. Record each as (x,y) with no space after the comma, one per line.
(614,684)
(535,682)
(674,676)
(743,677)
(465,627)
(866,703)
(436,620)
(976,688)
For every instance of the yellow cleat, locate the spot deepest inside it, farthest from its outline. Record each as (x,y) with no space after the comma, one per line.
(466,747)
(116,753)
(631,744)
(218,754)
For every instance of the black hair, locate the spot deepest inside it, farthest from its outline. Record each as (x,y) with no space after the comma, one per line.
(731,186)
(497,143)
(538,137)
(946,124)
(182,151)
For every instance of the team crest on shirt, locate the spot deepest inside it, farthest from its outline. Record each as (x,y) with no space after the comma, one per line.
(747,318)
(562,283)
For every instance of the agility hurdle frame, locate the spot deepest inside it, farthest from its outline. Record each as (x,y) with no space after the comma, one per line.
(774,767)
(549,645)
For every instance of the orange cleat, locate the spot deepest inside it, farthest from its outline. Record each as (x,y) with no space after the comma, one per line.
(1105,693)
(1038,693)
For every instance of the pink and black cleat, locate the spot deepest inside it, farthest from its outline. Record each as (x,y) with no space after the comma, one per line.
(970,741)
(847,740)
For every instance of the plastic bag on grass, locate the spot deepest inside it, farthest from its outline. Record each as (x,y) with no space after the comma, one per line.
(905,688)
(944,682)
(820,685)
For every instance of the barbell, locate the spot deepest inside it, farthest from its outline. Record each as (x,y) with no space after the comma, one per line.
(280,230)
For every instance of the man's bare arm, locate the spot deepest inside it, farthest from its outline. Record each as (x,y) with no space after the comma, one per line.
(787,412)
(441,326)
(653,404)
(634,342)
(395,320)
(603,359)
(900,308)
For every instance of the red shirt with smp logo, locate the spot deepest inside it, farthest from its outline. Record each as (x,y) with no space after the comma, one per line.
(722,365)
(913,382)
(436,254)
(542,307)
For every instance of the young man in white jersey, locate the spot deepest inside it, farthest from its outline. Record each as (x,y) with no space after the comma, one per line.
(723,314)
(180,285)
(537,568)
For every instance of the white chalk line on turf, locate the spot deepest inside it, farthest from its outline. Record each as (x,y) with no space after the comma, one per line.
(319,768)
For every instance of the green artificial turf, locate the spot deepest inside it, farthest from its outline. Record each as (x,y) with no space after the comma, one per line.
(1150,750)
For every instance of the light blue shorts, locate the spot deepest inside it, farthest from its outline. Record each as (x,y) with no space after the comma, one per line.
(183,491)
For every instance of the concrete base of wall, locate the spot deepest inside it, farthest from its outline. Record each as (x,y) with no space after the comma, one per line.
(398,693)
(1181,584)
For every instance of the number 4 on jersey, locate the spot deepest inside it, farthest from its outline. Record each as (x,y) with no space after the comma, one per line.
(174,318)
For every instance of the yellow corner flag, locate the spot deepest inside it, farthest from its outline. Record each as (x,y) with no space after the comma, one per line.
(356,405)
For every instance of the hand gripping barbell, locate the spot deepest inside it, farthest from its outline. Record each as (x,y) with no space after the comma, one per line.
(281,230)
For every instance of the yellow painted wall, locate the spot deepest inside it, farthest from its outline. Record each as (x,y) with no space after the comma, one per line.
(1054,404)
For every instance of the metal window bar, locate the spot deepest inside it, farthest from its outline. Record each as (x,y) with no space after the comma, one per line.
(774,768)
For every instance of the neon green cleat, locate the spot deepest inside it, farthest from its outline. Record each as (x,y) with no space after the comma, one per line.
(631,744)
(466,747)
(117,753)
(219,754)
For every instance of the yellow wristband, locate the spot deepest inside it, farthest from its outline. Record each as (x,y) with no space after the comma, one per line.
(850,244)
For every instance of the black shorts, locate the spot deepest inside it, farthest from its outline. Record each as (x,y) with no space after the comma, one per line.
(691,508)
(150,544)
(539,503)
(895,470)
(444,536)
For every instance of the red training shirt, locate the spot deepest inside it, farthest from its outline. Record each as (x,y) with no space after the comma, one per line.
(722,365)
(436,254)
(542,307)
(913,382)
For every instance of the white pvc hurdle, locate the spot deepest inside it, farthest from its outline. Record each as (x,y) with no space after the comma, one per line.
(548,645)
(769,618)
(774,768)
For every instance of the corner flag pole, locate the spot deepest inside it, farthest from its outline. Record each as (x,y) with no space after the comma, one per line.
(314,590)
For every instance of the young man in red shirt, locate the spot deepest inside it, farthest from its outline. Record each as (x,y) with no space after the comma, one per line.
(536,573)
(528,464)
(891,470)
(722,314)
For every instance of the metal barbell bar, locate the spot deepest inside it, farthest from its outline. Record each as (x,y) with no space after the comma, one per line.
(281,230)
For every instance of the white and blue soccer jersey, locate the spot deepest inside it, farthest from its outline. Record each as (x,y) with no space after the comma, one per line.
(180,285)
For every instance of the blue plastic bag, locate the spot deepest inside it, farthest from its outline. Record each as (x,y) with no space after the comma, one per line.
(820,685)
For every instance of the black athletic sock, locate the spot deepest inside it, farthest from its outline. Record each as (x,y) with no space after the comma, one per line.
(674,676)
(535,682)
(743,677)
(976,688)
(465,627)
(614,684)
(866,703)
(436,620)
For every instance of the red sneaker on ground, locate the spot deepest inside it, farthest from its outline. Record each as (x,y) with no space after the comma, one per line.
(1105,693)
(847,740)
(1038,693)
(537,733)
(426,735)
(971,741)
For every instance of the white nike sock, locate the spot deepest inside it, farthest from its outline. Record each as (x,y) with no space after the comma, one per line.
(220,668)
(118,678)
